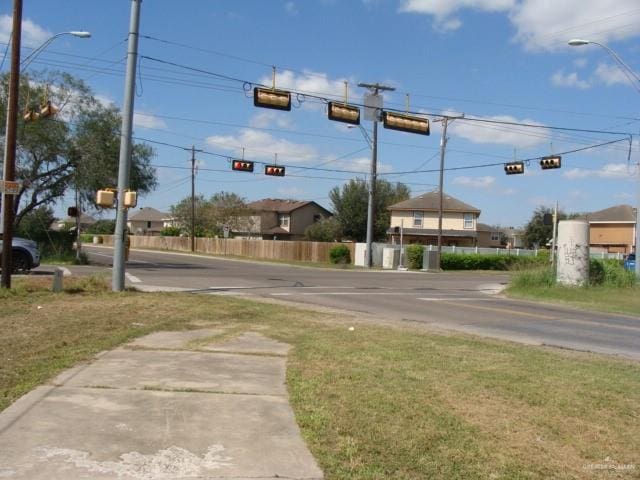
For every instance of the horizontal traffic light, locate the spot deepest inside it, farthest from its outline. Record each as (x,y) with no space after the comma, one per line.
(274,170)
(514,168)
(272,98)
(405,123)
(342,112)
(554,161)
(242,165)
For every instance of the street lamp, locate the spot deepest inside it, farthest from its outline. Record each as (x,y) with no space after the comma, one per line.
(37,51)
(9,158)
(634,80)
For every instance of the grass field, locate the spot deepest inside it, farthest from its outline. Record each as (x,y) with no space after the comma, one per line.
(375,402)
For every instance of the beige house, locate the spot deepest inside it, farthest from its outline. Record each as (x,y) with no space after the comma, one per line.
(148,221)
(613,229)
(419,220)
(274,219)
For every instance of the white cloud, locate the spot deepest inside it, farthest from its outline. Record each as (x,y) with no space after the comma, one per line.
(271,119)
(580,62)
(610,74)
(146,120)
(542,25)
(624,196)
(512,135)
(560,79)
(475,182)
(443,11)
(33,35)
(610,170)
(310,82)
(292,192)
(262,145)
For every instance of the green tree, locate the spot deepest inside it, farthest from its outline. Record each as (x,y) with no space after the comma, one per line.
(211,214)
(350,206)
(35,223)
(536,233)
(325,230)
(78,146)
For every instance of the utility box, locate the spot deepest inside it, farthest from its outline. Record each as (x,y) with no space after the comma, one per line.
(430,260)
(390,258)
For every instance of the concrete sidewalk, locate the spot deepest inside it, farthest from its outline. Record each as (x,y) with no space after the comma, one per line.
(171,405)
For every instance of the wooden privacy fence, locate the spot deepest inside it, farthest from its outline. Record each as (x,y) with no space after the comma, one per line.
(298,251)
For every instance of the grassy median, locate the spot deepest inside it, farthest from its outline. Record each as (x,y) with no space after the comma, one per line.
(374,402)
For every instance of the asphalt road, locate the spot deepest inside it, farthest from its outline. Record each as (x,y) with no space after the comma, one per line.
(461,301)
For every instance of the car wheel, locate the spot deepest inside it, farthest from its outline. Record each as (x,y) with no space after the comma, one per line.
(21,263)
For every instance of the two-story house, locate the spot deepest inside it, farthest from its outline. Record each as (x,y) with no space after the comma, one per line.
(613,229)
(418,218)
(148,221)
(274,219)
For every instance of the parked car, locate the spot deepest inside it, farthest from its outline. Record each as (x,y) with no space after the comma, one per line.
(25,254)
(630,262)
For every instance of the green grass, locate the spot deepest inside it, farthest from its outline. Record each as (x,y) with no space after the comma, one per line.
(372,403)
(612,289)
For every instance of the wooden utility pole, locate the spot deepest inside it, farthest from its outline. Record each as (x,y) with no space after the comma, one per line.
(9,167)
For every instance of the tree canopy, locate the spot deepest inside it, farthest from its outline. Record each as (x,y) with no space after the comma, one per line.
(536,233)
(350,206)
(78,147)
(223,208)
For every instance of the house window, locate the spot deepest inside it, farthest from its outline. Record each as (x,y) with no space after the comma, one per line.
(495,236)
(417,219)
(283,220)
(468,220)
(317,217)
(148,224)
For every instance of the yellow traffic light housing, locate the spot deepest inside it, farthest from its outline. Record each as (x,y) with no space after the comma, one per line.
(48,109)
(553,161)
(274,170)
(272,98)
(405,123)
(130,199)
(342,112)
(514,168)
(106,198)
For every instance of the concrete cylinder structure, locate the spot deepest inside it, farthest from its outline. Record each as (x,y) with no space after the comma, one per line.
(573,252)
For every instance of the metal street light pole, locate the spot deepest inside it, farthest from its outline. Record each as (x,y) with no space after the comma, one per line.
(124,165)
(634,80)
(375,89)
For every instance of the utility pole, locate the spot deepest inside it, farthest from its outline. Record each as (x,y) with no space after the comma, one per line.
(554,236)
(193,198)
(443,147)
(9,167)
(78,222)
(375,89)
(124,165)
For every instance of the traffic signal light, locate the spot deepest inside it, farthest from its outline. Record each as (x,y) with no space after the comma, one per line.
(274,170)
(48,110)
(514,168)
(72,212)
(106,198)
(130,199)
(554,161)
(272,98)
(242,165)
(405,123)
(343,112)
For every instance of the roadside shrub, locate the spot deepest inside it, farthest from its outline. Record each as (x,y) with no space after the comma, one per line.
(86,238)
(538,277)
(414,256)
(473,261)
(610,273)
(102,227)
(340,254)
(170,232)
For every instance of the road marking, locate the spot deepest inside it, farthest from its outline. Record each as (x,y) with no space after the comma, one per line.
(132,278)
(450,299)
(65,271)
(342,293)
(504,310)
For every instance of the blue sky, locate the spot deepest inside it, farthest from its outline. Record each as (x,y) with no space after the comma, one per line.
(504,60)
